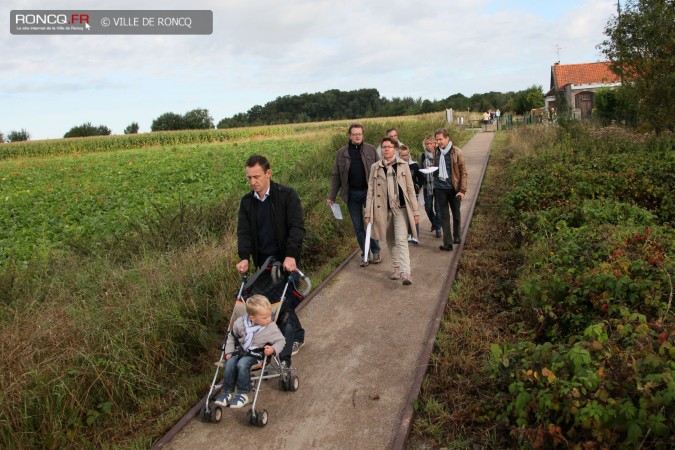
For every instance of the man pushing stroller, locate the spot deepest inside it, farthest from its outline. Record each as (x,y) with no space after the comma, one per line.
(271,224)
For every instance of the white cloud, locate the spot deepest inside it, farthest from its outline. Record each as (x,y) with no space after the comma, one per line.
(262,49)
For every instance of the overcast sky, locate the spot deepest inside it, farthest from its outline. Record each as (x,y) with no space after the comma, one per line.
(263,49)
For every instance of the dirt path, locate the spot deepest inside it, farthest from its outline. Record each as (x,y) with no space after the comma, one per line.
(366,336)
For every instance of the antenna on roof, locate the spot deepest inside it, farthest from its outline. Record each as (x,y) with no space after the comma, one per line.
(557,52)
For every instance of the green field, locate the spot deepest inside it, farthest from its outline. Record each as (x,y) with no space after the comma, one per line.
(94,144)
(87,198)
(117,273)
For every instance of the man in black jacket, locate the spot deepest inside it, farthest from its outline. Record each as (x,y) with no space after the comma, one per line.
(270,224)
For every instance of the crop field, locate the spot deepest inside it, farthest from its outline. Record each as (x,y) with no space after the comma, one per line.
(167,138)
(49,201)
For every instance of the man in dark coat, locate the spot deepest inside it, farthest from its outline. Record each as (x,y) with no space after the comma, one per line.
(351,170)
(271,224)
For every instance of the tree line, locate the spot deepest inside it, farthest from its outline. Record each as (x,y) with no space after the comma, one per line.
(336,105)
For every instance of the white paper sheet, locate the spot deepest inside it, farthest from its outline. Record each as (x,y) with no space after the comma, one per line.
(367,243)
(428,170)
(337,212)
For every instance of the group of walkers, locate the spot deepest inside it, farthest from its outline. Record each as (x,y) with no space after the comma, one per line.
(381,186)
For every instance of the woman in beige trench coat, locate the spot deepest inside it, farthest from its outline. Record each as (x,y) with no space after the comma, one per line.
(391,206)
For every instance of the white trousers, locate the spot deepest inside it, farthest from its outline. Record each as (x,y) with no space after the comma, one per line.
(397,240)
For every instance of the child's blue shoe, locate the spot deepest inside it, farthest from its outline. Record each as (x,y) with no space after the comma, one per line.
(223,399)
(239,401)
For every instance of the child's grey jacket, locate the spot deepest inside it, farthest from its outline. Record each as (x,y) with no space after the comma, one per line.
(269,334)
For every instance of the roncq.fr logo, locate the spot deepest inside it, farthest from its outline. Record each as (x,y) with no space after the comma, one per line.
(51,19)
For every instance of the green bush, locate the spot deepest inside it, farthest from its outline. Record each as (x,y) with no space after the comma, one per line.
(593,211)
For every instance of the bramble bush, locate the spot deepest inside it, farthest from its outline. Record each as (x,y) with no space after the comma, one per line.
(594,213)
(595,164)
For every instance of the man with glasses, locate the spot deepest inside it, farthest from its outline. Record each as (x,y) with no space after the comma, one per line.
(351,170)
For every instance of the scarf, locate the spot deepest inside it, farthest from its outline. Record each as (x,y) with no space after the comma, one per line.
(428,161)
(250,329)
(442,166)
(392,187)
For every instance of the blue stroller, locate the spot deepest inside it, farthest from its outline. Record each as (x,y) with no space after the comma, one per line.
(285,291)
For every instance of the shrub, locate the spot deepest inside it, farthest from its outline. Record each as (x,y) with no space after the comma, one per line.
(596,367)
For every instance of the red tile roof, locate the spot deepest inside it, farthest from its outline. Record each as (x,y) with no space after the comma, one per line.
(589,73)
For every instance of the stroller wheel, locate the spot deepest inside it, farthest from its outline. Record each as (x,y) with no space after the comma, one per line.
(250,418)
(204,415)
(262,418)
(293,383)
(216,414)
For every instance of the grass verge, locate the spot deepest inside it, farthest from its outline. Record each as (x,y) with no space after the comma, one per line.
(449,411)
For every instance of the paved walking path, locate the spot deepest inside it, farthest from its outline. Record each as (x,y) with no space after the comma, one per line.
(365,338)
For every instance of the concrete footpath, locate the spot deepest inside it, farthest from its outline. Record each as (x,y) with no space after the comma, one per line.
(366,336)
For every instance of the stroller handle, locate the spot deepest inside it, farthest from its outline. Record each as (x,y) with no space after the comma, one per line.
(276,277)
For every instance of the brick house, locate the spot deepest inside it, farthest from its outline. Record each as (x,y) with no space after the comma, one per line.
(575,85)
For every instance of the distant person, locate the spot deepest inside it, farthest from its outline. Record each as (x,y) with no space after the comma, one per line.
(450,182)
(430,207)
(418,180)
(270,223)
(392,133)
(350,177)
(256,335)
(486,119)
(391,206)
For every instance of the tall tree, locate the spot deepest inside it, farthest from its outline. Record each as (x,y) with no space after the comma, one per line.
(167,122)
(132,128)
(524,101)
(198,119)
(17,136)
(641,49)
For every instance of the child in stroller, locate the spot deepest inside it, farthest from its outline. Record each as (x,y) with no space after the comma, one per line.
(285,291)
(256,335)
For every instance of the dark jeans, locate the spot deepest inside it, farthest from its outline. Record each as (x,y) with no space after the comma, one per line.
(431,209)
(292,332)
(238,371)
(445,197)
(355,204)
